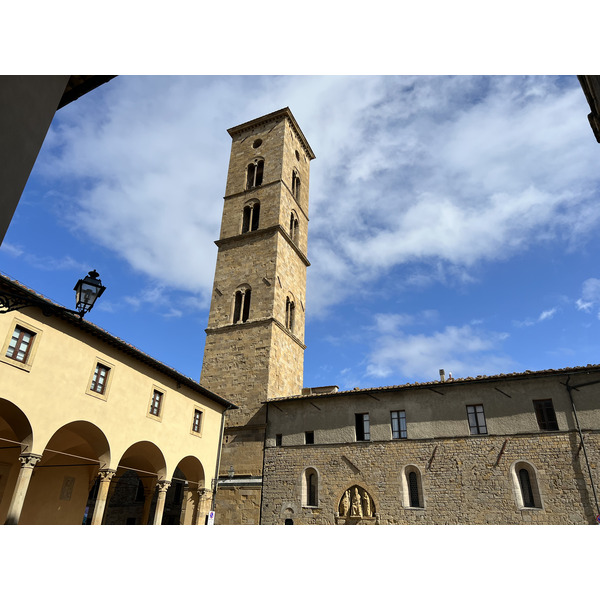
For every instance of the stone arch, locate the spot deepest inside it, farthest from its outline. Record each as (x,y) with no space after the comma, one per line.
(188,500)
(16,437)
(525,484)
(15,426)
(251,215)
(240,308)
(412,487)
(62,479)
(255,172)
(310,487)
(294,226)
(356,504)
(133,492)
(290,311)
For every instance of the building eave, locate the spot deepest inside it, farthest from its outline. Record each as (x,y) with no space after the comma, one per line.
(51,308)
(438,386)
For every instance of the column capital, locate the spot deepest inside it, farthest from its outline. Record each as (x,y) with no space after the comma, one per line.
(106,474)
(163,485)
(28,461)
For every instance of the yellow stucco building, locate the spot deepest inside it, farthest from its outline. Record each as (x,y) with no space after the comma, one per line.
(83,413)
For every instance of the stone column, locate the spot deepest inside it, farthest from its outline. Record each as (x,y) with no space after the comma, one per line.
(204,504)
(163,486)
(147,505)
(106,476)
(28,462)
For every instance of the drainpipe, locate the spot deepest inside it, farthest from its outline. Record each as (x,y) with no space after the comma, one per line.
(587,462)
(216,479)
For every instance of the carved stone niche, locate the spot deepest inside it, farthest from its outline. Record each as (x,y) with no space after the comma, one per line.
(356,507)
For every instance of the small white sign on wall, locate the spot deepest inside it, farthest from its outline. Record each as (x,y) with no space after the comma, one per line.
(211,518)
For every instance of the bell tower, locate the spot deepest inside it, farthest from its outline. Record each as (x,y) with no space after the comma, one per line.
(255,336)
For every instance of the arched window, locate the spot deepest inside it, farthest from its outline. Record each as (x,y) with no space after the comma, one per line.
(255,174)
(290,309)
(525,485)
(295,185)
(310,488)
(251,217)
(413,488)
(294,227)
(241,306)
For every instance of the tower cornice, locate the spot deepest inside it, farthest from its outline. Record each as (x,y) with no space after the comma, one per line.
(264,232)
(256,323)
(275,116)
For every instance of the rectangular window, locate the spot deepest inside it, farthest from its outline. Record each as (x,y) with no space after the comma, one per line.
(156,403)
(546,417)
(278,439)
(476,417)
(99,379)
(20,344)
(309,437)
(197,421)
(363,432)
(398,425)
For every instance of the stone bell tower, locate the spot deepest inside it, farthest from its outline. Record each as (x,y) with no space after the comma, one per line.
(255,336)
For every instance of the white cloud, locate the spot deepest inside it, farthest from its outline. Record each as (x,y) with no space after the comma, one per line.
(544,316)
(465,351)
(590,295)
(547,314)
(435,173)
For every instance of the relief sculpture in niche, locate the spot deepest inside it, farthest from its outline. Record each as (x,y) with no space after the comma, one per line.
(356,503)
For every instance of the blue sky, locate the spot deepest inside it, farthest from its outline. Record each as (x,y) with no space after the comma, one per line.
(453,219)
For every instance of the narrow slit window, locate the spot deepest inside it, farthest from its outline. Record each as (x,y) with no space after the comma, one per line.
(246,311)
(246,219)
(312,489)
(526,489)
(413,490)
(290,309)
(294,227)
(278,439)
(255,216)
(309,437)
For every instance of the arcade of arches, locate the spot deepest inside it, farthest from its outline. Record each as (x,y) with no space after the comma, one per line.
(71,481)
(93,431)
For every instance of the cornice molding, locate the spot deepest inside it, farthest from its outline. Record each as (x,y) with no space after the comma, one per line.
(250,324)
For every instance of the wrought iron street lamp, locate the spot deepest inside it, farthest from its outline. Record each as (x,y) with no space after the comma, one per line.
(87,291)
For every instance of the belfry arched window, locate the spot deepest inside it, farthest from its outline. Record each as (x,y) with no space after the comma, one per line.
(290,309)
(251,217)
(241,304)
(294,227)
(295,185)
(255,173)
(525,484)
(310,488)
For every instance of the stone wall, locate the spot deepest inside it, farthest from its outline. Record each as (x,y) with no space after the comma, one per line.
(465,480)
